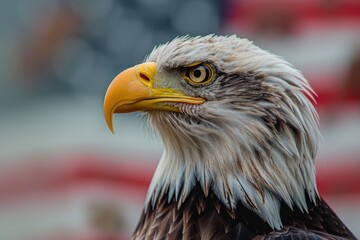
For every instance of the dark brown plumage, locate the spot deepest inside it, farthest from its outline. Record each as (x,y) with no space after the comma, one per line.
(201,217)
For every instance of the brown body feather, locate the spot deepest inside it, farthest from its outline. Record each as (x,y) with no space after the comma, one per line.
(201,217)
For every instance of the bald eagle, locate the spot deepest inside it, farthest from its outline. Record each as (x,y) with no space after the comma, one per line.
(240,137)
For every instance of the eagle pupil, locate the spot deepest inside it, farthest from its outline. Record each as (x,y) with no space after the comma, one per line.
(197,73)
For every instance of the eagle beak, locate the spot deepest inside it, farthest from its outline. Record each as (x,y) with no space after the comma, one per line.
(133,90)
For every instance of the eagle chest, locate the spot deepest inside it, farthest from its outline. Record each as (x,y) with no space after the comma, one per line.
(199,217)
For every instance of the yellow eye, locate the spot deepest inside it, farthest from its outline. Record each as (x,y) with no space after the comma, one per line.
(199,74)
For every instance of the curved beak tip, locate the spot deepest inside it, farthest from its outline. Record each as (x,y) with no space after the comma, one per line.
(111,129)
(109,122)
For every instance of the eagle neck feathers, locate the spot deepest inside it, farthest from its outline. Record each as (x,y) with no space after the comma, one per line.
(241,160)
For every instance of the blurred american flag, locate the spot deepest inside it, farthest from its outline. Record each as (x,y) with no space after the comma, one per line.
(64,176)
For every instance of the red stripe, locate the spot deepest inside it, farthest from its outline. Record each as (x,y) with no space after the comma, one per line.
(49,175)
(242,11)
(339,179)
(292,17)
(336,180)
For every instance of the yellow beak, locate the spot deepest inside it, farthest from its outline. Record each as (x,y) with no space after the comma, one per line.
(132,90)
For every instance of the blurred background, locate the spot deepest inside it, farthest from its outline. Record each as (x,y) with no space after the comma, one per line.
(63,175)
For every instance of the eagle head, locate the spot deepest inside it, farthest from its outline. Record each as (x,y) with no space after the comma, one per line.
(233,118)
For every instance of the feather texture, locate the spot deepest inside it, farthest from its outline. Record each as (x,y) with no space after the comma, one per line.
(254,139)
(240,165)
(167,221)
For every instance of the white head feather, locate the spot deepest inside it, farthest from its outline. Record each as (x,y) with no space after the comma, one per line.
(255,138)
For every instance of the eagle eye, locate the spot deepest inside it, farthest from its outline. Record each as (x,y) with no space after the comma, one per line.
(200,74)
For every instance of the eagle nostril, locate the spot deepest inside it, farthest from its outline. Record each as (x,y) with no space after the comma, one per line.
(144,77)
